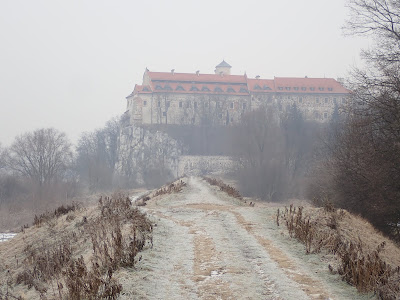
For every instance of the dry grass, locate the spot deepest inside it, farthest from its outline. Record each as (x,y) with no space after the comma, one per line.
(72,253)
(366,259)
(230,190)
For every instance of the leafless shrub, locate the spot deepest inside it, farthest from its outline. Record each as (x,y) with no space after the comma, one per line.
(364,269)
(90,284)
(231,191)
(118,234)
(60,211)
(171,188)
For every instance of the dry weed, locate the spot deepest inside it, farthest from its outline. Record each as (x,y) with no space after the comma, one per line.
(118,232)
(231,191)
(358,266)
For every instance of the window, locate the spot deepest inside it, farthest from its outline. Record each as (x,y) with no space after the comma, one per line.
(244,105)
(266,87)
(230,90)
(312,88)
(330,89)
(231,105)
(242,90)
(206,104)
(164,113)
(220,116)
(300,100)
(158,87)
(179,88)
(280,88)
(168,103)
(180,104)
(326,100)
(205,89)
(287,88)
(334,100)
(257,87)
(304,88)
(144,103)
(317,100)
(195,104)
(343,100)
(321,88)
(218,89)
(146,89)
(194,88)
(325,115)
(296,88)
(167,88)
(217,104)
(159,104)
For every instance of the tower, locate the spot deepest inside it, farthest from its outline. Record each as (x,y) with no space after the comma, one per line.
(223,68)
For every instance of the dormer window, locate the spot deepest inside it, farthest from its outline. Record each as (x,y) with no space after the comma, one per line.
(230,90)
(242,90)
(266,88)
(167,88)
(218,89)
(146,89)
(194,88)
(330,89)
(321,88)
(312,88)
(205,89)
(280,88)
(287,88)
(158,87)
(257,87)
(304,88)
(179,88)
(296,88)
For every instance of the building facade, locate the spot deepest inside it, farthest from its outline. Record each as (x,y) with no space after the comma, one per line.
(222,98)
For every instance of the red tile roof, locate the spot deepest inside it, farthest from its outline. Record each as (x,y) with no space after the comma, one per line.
(192,77)
(261,85)
(236,84)
(198,88)
(308,85)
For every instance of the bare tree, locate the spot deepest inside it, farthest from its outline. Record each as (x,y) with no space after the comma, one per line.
(364,152)
(41,155)
(97,155)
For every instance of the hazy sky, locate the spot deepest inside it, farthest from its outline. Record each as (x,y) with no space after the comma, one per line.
(70,64)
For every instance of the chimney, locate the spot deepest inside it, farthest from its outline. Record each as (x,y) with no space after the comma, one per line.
(258,77)
(172,71)
(197,72)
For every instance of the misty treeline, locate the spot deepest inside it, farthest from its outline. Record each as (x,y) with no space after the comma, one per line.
(359,168)
(41,169)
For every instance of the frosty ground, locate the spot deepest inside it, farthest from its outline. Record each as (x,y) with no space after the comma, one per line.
(208,245)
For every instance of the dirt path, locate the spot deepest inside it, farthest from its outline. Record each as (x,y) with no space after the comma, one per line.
(210,246)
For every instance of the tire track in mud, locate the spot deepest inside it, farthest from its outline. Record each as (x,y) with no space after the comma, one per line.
(230,260)
(310,286)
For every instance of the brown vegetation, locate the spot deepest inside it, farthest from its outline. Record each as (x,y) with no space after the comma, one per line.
(72,253)
(230,190)
(370,265)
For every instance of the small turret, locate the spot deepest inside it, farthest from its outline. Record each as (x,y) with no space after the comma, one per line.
(223,68)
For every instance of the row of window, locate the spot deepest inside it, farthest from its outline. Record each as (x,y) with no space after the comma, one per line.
(296,88)
(318,100)
(194,88)
(188,104)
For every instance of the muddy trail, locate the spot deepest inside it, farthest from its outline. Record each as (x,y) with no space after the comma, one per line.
(208,245)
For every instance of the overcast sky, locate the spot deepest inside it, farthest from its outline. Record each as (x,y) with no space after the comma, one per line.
(70,64)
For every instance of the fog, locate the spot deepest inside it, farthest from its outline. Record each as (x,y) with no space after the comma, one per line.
(70,65)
